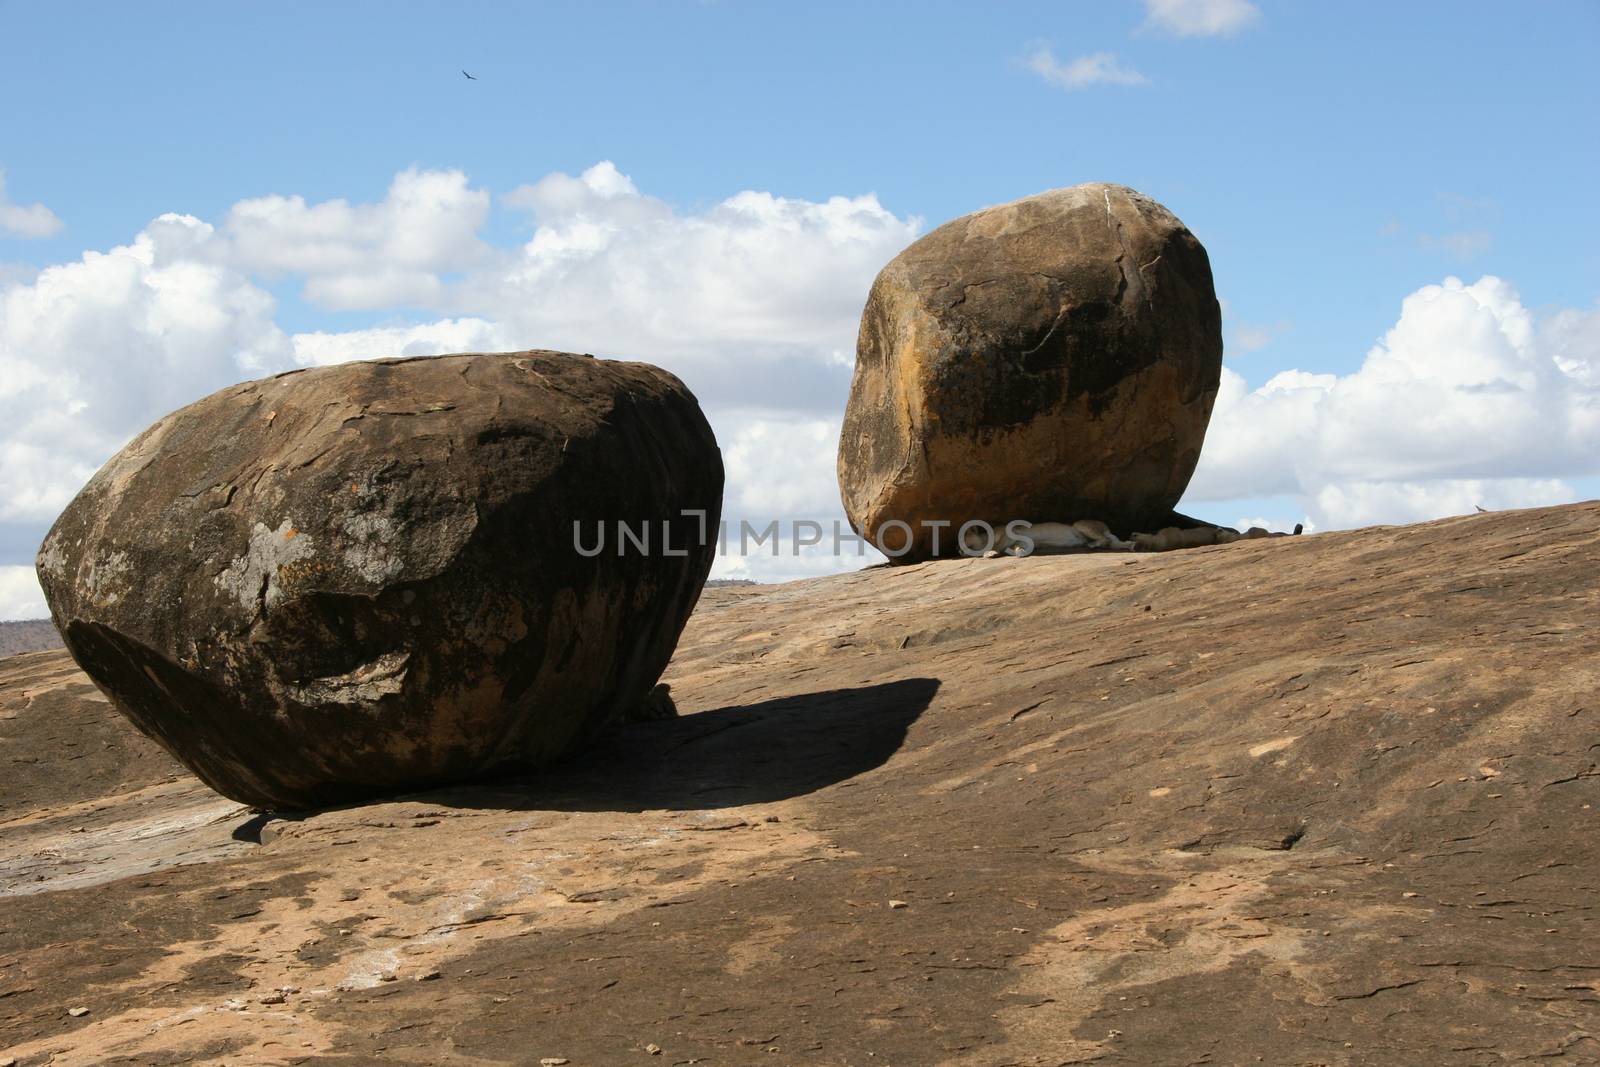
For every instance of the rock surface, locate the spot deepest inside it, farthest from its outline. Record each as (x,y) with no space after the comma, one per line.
(360,579)
(1050,359)
(1316,800)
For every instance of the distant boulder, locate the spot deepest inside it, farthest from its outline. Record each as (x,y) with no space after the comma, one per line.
(366,578)
(1051,359)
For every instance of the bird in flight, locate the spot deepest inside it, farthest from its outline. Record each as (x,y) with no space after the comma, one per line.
(470,78)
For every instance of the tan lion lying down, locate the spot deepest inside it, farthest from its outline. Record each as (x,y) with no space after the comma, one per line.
(1092,535)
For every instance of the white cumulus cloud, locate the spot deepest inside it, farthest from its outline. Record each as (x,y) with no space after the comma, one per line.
(20,595)
(1469,399)
(1367,503)
(362,256)
(1273,525)
(757,291)
(753,300)
(775,465)
(91,352)
(425,339)
(25,220)
(780,467)
(1200,18)
(1097,68)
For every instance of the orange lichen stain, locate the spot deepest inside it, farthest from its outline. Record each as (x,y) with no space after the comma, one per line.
(302,573)
(289,535)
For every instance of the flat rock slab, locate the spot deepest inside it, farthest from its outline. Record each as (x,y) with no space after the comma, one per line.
(1318,800)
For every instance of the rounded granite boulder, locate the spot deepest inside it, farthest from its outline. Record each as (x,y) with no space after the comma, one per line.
(379,576)
(1051,359)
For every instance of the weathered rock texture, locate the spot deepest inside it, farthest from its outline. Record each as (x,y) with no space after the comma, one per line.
(1051,359)
(1319,800)
(361,579)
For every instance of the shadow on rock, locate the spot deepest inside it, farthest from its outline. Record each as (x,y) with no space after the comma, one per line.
(744,754)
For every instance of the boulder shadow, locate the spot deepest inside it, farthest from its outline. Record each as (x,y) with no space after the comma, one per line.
(745,754)
(742,754)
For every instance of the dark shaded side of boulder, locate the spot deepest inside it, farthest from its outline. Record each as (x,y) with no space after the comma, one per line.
(1051,359)
(364,578)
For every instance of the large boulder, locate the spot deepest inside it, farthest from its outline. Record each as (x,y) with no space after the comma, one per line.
(1051,359)
(364,578)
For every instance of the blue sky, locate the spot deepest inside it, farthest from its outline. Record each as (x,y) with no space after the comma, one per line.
(1334,158)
